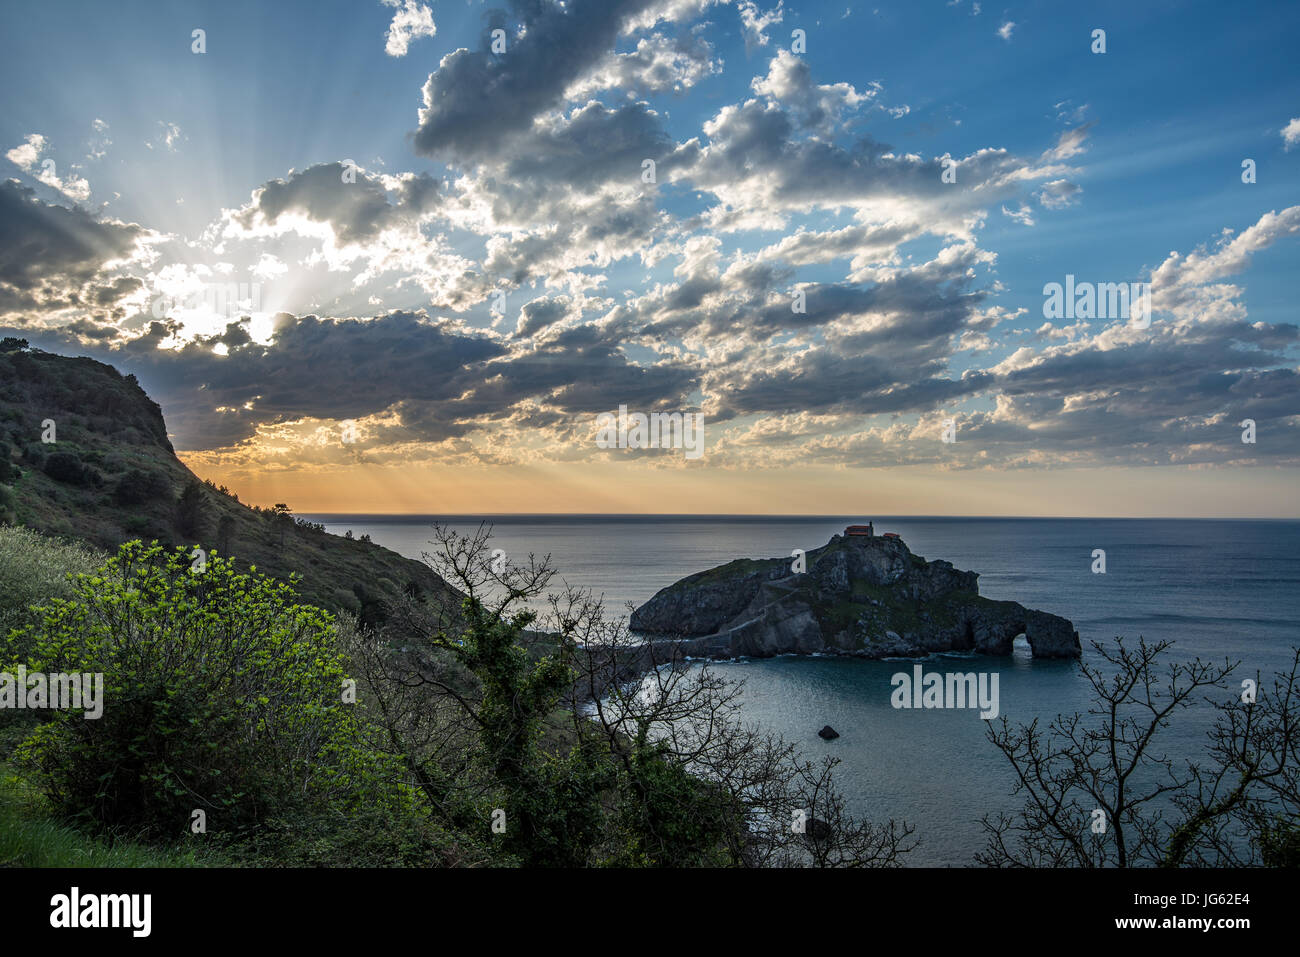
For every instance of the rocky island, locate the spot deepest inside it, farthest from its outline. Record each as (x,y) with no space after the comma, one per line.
(859,594)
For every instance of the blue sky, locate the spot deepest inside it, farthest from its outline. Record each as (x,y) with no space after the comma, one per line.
(778,169)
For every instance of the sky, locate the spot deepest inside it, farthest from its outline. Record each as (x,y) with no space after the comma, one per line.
(386,256)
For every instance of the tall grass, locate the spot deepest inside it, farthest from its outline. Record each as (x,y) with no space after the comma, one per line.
(30,838)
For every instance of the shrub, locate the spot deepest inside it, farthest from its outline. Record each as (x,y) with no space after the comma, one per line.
(220,694)
(68,467)
(34,569)
(8,471)
(370,837)
(138,486)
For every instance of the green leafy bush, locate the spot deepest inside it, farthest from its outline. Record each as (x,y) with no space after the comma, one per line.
(137,486)
(34,454)
(221,694)
(67,467)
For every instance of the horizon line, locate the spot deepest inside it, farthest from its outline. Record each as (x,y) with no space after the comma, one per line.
(773,516)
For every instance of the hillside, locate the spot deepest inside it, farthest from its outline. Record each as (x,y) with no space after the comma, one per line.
(111,475)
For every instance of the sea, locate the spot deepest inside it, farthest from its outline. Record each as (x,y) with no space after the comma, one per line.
(1217,589)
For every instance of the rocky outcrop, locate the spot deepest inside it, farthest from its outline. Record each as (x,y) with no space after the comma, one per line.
(869,597)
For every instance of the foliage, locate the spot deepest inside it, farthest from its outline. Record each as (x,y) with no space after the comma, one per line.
(34,569)
(30,838)
(669,777)
(221,694)
(138,486)
(192,510)
(68,467)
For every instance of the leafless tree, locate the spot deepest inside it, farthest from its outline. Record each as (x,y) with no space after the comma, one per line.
(643,705)
(1100,791)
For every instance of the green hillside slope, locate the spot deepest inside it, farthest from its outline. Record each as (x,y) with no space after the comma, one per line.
(111,475)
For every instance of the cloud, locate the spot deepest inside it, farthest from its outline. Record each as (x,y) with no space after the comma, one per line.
(99,141)
(53,257)
(1291,133)
(477,102)
(672,292)
(353,203)
(1024,215)
(411,21)
(814,107)
(1004,31)
(26,156)
(169,137)
(1188,285)
(659,64)
(755,23)
(1058,194)
(540,314)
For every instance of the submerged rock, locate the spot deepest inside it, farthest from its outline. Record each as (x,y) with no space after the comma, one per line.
(816,831)
(864,596)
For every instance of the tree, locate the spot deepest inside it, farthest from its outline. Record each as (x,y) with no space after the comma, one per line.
(282,517)
(1100,791)
(8,471)
(750,800)
(192,511)
(8,506)
(225,532)
(666,775)
(220,693)
(1244,806)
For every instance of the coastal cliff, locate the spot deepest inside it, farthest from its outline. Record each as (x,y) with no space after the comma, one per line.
(856,595)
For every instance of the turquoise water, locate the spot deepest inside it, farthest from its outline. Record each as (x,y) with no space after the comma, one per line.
(1215,588)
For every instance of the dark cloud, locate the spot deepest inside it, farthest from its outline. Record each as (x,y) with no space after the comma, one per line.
(539,314)
(584,369)
(596,144)
(823,381)
(357,211)
(53,256)
(477,101)
(327,368)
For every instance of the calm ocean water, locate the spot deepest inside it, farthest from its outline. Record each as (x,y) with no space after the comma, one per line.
(1215,588)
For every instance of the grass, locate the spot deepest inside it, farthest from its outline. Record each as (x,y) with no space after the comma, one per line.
(30,838)
(736,568)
